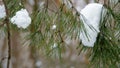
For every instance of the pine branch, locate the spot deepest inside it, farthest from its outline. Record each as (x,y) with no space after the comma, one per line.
(103,54)
(60,36)
(8,32)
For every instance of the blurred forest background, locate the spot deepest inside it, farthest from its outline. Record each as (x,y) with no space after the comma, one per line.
(25,56)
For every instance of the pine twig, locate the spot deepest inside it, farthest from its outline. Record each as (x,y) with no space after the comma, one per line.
(60,36)
(8,32)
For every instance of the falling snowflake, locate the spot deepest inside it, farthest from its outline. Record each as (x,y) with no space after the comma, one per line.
(54,27)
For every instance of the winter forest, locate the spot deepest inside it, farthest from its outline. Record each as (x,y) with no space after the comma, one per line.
(59,33)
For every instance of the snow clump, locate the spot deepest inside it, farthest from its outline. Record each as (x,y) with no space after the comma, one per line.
(21,19)
(90,15)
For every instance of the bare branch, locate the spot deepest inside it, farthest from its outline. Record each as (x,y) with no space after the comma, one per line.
(8,32)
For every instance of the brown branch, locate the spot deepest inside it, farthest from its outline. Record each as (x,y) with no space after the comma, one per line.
(60,36)
(77,13)
(8,33)
(46,5)
(35,5)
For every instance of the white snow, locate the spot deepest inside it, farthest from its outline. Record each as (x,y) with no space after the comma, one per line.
(20,4)
(54,46)
(54,27)
(21,19)
(90,15)
(2,11)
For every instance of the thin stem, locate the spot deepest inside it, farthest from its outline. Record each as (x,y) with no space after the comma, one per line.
(46,5)
(9,43)
(36,5)
(60,37)
(8,33)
